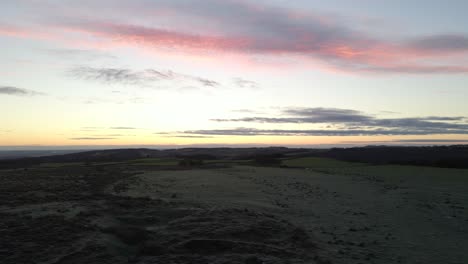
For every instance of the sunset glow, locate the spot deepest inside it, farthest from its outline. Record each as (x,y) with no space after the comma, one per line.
(177,73)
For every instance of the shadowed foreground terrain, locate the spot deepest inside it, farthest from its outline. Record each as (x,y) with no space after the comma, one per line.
(251,207)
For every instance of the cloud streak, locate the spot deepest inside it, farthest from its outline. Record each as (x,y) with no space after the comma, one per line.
(318,132)
(441,44)
(431,140)
(272,31)
(188,136)
(250,29)
(92,138)
(410,141)
(350,117)
(15,91)
(341,122)
(123,128)
(125,76)
(242,83)
(307,115)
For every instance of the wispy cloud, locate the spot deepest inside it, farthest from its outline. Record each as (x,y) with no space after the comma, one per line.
(123,128)
(207,82)
(246,111)
(250,29)
(147,77)
(11,90)
(342,122)
(113,135)
(431,140)
(449,43)
(114,75)
(410,141)
(272,31)
(350,117)
(188,136)
(318,132)
(92,138)
(242,83)
(306,115)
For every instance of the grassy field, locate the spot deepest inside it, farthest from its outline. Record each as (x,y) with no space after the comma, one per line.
(369,214)
(155,162)
(226,161)
(140,162)
(339,212)
(314,162)
(63,164)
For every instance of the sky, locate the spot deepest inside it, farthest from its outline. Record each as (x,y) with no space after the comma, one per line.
(233,72)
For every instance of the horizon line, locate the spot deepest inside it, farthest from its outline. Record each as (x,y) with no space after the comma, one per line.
(415,143)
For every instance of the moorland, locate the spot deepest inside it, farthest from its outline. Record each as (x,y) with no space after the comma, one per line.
(248,205)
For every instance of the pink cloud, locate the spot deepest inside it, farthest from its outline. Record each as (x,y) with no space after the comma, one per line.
(362,55)
(247,30)
(18,32)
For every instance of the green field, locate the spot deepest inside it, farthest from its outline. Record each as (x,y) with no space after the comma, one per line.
(62,164)
(226,161)
(314,162)
(154,162)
